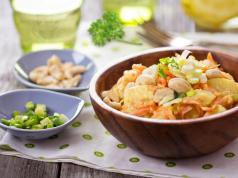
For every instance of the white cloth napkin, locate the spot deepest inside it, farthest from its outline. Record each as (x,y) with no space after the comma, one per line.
(86,142)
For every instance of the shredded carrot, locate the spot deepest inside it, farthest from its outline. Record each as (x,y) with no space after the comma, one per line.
(204,85)
(169,74)
(185,109)
(209,67)
(138,67)
(167,79)
(226,101)
(145,110)
(200,85)
(197,105)
(170,115)
(162,82)
(196,86)
(152,87)
(191,101)
(141,111)
(164,113)
(211,59)
(209,109)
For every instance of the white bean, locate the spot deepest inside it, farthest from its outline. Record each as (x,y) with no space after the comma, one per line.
(187,68)
(113,104)
(145,79)
(214,73)
(203,78)
(179,85)
(152,71)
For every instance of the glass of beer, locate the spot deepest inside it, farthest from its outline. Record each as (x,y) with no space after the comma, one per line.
(46,24)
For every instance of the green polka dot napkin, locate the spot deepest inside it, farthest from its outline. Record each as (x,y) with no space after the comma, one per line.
(86,142)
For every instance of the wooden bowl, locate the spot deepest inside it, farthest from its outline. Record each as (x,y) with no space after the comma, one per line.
(165,138)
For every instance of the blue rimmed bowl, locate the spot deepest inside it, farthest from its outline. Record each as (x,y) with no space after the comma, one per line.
(70,106)
(35,59)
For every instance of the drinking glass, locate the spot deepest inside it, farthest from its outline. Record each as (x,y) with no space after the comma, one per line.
(131,11)
(213,14)
(44,24)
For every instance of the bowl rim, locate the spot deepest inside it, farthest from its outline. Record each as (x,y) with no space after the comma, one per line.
(79,109)
(94,96)
(30,84)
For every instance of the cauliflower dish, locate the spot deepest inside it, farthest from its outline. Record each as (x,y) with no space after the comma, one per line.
(178,87)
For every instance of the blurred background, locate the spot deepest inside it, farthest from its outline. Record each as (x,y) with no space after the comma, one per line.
(171,10)
(43,24)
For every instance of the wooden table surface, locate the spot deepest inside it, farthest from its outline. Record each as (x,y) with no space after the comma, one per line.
(13,167)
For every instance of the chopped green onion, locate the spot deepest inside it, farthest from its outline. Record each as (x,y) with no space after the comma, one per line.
(57,121)
(35,117)
(169,61)
(40,110)
(18,125)
(175,65)
(30,105)
(29,123)
(181,62)
(37,127)
(5,121)
(190,93)
(165,60)
(47,123)
(198,72)
(15,113)
(193,80)
(181,95)
(161,71)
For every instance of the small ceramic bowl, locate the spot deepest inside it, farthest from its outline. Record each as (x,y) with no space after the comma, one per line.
(166,138)
(35,59)
(55,102)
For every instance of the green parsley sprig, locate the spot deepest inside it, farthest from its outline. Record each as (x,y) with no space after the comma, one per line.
(108,28)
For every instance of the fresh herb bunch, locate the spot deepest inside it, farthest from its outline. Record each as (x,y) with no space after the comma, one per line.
(106,29)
